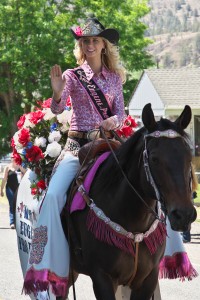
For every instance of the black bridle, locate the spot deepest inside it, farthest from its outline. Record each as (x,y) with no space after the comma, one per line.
(156,134)
(128,181)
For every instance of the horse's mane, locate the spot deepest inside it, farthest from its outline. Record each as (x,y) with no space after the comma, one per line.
(109,173)
(130,152)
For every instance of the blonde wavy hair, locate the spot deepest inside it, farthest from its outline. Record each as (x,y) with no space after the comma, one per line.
(110,58)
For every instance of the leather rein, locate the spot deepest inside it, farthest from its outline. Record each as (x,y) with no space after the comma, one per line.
(148,174)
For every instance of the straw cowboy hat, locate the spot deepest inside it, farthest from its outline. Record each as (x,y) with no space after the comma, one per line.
(93,27)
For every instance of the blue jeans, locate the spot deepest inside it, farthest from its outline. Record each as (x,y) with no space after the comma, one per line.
(10,196)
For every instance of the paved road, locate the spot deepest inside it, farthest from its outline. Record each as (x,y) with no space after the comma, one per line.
(11,276)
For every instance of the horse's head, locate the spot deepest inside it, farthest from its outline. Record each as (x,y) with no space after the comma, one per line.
(168,158)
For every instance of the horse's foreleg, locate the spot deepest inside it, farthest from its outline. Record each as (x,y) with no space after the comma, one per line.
(124,292)
(146,291)
(103,286)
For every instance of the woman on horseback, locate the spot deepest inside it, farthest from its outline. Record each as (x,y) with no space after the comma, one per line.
(95,88)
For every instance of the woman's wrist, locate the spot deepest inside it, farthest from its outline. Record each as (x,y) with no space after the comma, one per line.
(115,121)
(56,97)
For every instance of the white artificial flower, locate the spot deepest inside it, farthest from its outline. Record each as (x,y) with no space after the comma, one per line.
(53,149)
(64,117)
(64,128)
(40,142)
(18,145)
(32,177)
(28,123)
(48,114)
(54,136)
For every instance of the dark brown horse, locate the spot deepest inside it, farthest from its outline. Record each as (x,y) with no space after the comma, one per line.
(154,166)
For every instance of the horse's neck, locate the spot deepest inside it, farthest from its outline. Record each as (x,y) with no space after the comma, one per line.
(116,189)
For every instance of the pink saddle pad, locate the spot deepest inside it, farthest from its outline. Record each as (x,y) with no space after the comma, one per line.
(78,203)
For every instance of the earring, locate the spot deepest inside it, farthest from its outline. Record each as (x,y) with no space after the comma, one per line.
(104,51)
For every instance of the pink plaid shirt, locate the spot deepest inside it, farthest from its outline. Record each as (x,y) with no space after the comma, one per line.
(84,115)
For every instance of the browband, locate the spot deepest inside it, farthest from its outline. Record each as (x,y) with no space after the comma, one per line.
(167,133)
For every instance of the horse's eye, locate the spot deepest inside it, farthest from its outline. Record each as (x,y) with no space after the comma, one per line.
(154,160)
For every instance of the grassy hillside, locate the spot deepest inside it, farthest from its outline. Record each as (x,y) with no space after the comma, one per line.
(174,26)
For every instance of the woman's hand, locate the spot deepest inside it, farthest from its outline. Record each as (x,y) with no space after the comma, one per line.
(108,124)
(57,82)
(2,193)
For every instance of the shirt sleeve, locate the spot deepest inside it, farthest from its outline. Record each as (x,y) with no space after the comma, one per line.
(118,110)
(58,107)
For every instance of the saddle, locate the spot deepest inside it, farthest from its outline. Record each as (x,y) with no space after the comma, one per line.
(95,148)
(87,155)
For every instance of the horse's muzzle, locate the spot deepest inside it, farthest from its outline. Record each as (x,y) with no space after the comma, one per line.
(180,220)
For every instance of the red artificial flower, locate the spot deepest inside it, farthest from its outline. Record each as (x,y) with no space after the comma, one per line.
(46,103)
(17,158)
(119,132)
(12,143)
(41,184)
(127,131)
(130,122)
(21,121)
(34,154)
(34,191)
(24,136)
(78,31)
(68,102)
(36,116)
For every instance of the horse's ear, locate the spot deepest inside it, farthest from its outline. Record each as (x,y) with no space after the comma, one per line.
(148,118)
(184,119)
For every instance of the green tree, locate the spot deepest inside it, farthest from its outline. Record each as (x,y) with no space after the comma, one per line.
(167,61)
(177,5)
(197,43)
(185,23)
(188,7)
(196,25)
(35,35)
(185,55)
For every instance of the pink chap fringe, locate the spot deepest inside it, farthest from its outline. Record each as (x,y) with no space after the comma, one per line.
(103,232)
(177,266)
(40,280)
(156,238)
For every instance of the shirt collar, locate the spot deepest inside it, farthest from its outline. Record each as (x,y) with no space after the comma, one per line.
(89,73)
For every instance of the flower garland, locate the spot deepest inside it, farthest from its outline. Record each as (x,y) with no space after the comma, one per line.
(41,138)
(39,141)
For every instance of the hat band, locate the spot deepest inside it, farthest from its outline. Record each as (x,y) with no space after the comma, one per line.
(91,28)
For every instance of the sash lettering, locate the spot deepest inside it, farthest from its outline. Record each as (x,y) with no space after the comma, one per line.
(97,96)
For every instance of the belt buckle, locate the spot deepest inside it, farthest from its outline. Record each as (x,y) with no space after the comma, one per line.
(93,134)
